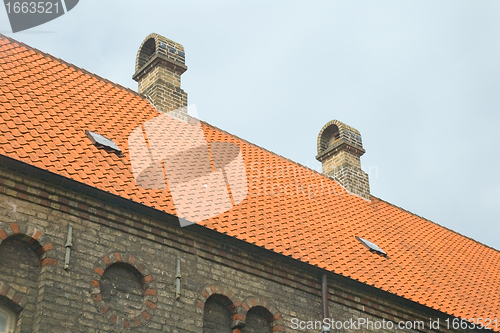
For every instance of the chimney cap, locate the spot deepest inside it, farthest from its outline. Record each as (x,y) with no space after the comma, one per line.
(156,48)
(336,135)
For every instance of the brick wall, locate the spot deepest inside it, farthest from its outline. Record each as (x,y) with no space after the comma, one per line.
(122,272)
(352,178)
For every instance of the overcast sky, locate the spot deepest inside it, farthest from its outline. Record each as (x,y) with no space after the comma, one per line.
(419,79)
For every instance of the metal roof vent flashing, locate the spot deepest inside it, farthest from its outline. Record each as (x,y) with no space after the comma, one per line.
(372,246)
(103,142)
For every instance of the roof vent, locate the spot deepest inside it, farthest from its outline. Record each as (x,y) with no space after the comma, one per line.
(102,142)
(372,246)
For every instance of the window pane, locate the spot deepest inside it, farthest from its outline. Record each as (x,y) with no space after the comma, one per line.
(3,323)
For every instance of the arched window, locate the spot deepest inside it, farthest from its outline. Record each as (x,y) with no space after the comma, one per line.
(332,133)
(147,50)
(258,321)
(328,137)
(20,266)
(122,289)
(7,320)
(217,316)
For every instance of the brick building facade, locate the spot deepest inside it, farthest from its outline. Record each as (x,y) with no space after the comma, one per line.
(84,249)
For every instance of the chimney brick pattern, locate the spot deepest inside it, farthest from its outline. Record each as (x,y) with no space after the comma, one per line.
(159,65)
(339,150)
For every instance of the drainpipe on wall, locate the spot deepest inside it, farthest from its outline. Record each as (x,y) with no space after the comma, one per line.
(324,300)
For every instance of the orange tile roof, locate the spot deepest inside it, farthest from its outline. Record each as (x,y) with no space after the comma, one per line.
(46,105)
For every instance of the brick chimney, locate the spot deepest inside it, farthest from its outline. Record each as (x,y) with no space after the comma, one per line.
(339,150)
(158,68)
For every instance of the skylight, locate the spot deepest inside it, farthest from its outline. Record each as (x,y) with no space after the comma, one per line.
(371,246)
(102,142)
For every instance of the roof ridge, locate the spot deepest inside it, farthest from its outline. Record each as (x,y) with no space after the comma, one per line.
(282,157)
(439,225)
(273,153)
(84,71)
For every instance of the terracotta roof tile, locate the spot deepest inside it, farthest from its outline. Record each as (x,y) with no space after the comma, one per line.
(46,105)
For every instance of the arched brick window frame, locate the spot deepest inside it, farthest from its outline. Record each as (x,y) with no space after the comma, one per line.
(276,322)
(34,237)
(37,242)
(234,304)
(147,282)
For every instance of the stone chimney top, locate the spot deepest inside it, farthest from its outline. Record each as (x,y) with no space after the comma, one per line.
(159,65)
(339,150)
